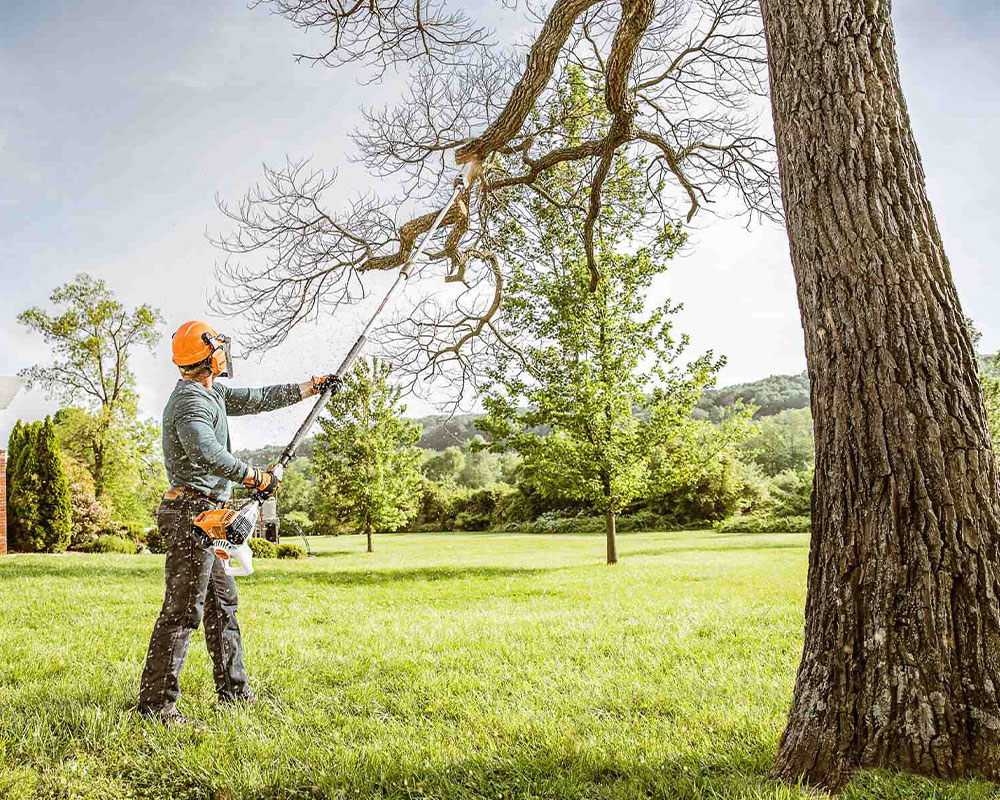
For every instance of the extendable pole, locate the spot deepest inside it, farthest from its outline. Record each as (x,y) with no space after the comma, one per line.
(462,183)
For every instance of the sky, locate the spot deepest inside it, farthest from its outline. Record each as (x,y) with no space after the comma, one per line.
(122,121)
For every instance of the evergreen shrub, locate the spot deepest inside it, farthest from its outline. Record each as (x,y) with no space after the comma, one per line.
(262,548)
(289,550)
(109,543)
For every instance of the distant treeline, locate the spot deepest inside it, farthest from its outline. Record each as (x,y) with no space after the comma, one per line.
(439,431)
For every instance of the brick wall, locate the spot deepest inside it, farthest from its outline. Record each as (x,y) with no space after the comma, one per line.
(3,502)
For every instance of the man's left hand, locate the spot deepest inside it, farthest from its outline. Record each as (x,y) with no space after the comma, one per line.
(318,383)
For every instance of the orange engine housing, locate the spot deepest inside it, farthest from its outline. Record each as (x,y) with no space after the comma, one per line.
(214,522)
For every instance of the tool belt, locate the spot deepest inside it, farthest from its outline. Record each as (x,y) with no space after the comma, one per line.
(186,493)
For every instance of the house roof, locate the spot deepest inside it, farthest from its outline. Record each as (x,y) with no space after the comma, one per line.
(8,388)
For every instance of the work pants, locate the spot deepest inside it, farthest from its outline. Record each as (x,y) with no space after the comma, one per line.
(197,589)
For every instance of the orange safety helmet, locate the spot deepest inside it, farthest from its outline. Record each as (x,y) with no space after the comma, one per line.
(197,341)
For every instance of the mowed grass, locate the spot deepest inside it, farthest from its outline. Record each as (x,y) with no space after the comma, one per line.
(447,666)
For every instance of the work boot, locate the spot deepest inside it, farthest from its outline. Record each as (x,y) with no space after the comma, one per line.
(246,697)
(172,718)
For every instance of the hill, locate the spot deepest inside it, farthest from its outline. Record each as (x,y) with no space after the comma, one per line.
(771,395)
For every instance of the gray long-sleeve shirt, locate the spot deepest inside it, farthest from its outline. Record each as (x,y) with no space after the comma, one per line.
(196,432)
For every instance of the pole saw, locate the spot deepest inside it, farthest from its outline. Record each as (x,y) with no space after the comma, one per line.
(229,530)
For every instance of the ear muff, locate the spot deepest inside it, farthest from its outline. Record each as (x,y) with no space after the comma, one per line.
(222,357)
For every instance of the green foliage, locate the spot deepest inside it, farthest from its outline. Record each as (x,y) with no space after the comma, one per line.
(481,467)
(588,362)
(364,458)
(91,517)
(696,476)
(91,336)
(39,506)
(442,432)
(262,548)
(290,550)
(447,507)
(763,523)
(90,341)
(785,506)
(131,464)
(473,465)
(790,493)
(109,543)
(725,486)
(768,396)
(990,379)
(783,441)
(300,519)
(555,523)
(444,467)
(155,541)
(438,504)
(297,488)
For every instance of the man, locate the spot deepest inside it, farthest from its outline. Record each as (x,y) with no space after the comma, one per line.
(201,469)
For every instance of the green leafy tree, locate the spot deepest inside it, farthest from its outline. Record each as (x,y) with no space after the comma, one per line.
(444,467)
(696,475)
(782,442)
(91,336)
(482,467)
(364,457)
(586,360)
(132,466)
(39,507)
(297,488)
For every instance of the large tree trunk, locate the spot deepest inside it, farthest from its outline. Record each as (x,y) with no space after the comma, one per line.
(901,662)
(612,536)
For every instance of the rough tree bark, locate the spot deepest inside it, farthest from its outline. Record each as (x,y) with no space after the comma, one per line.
(901,663)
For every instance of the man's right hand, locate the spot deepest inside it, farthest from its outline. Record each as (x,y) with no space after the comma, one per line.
(261,480)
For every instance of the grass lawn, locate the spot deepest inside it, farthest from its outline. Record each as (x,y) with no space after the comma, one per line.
(448,666)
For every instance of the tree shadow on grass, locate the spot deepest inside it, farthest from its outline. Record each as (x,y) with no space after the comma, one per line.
(722,548)
(56,567)
(80,570)
(386,577)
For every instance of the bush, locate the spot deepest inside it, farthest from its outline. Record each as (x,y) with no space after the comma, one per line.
(262,548)
(471,521)
(155,541)
(91,517)
(763,523)
(291,551)
(790,493)
(726,487)
(438,503)
(646,520)
(108,543)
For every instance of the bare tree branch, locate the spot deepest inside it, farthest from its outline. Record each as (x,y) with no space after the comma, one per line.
(681,82)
